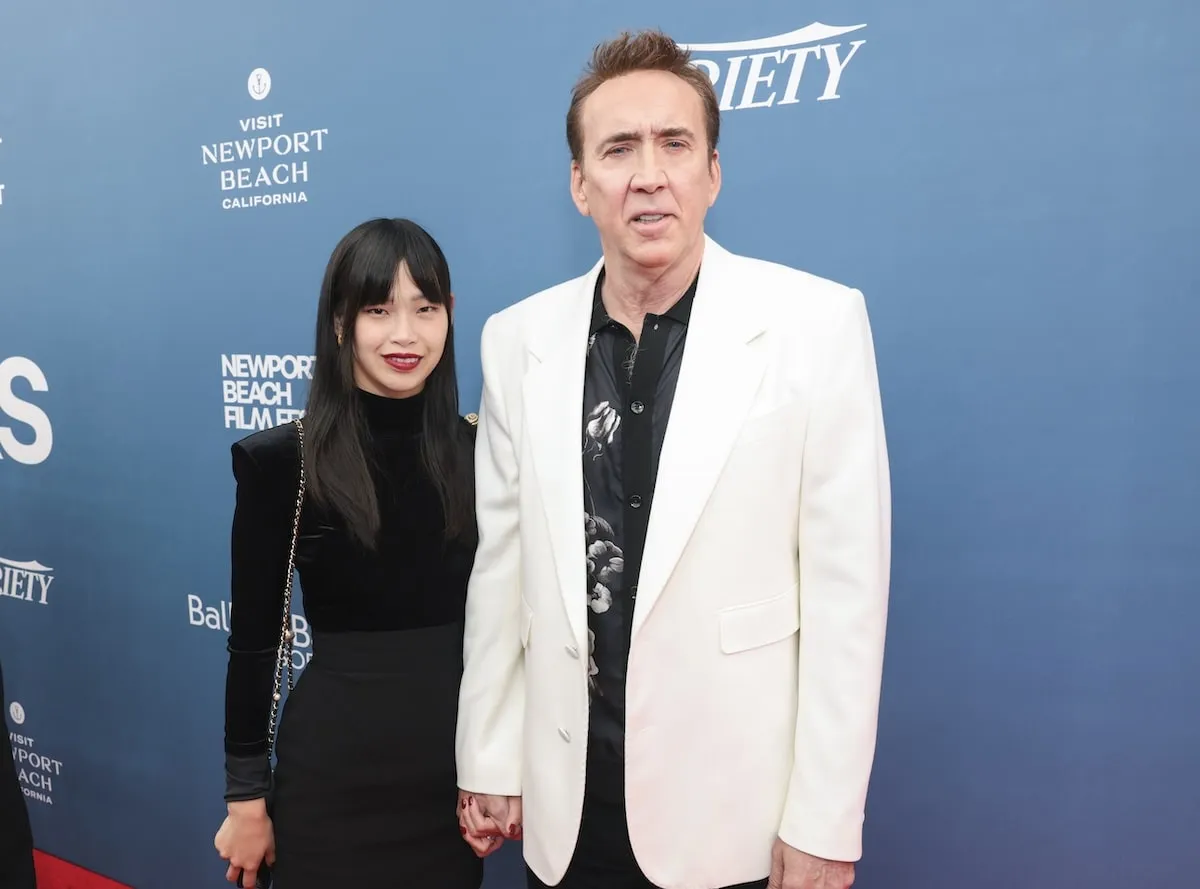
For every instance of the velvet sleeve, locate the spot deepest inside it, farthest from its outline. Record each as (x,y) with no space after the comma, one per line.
(260,539)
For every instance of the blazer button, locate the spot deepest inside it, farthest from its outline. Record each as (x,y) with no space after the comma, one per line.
(566,735)
(573,651)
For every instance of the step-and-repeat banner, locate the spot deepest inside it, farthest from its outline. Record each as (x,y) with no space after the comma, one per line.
(1013,186)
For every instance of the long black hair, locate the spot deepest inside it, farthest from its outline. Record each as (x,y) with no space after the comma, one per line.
(362,272)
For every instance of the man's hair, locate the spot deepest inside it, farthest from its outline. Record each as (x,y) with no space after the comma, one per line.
(643,51)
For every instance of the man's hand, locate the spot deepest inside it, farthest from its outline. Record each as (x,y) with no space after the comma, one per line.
(793,869)
(487,821)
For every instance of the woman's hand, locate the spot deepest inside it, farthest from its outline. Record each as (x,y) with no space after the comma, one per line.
(246,839)
(486,821)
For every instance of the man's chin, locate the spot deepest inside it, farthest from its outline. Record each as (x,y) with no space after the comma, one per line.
(657,254)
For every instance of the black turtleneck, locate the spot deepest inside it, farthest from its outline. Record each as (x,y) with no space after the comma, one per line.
(412,579)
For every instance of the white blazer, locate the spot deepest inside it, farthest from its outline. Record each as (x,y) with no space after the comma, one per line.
(758,631)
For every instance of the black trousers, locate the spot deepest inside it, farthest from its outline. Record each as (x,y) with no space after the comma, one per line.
(603,856)
(16,839)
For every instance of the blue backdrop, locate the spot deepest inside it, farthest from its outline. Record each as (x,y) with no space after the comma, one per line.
(1013,186)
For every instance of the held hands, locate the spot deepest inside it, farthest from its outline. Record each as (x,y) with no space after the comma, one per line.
(245,840)
(793,869)
(487,821)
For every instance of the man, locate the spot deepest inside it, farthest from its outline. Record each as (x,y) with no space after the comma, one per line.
(16,840)
(675,625)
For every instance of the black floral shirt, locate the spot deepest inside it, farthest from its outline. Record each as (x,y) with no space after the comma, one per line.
(627,395)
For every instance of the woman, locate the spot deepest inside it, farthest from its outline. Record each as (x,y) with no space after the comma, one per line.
(364,791)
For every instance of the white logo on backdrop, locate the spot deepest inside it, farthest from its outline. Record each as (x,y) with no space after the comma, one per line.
(267,169)
(218,617)
(27,581)
(14,407)
(743,72)
(36,772)
(259,83)
(261,391)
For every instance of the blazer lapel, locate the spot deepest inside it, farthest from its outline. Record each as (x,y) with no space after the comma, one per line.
(718,381)
(553,398)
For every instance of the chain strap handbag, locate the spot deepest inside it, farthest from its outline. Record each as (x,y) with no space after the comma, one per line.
(283,653)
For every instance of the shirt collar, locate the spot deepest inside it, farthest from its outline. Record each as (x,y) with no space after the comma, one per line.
(681,311)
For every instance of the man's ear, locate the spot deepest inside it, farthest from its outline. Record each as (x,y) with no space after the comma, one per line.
(578,196)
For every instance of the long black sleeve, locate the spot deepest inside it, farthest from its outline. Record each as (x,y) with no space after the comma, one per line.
(261,536)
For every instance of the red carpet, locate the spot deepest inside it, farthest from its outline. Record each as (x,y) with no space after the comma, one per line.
(54,873)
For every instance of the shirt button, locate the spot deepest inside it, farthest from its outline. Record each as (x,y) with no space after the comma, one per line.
(637,407)
(635,501)
(566,735)
(573,651)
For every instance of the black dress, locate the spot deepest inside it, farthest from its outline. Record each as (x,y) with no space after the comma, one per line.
(365,783)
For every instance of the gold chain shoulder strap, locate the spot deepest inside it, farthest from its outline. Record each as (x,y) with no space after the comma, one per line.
(283,653)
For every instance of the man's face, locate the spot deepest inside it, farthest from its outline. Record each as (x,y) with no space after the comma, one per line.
(647,177)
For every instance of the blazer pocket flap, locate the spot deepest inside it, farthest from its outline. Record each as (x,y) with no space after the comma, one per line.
(765,422)
(744,627)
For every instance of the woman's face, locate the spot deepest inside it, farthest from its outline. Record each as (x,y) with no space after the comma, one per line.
(399,343)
